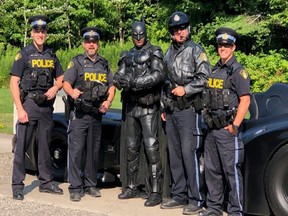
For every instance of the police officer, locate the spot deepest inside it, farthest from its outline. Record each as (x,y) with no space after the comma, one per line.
(33,91)
(140,75)
(187,69)
(229,93)
(88,83)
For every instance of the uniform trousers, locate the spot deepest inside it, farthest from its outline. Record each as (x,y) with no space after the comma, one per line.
(184,138)
(40,124)
(224,156)
(84,136)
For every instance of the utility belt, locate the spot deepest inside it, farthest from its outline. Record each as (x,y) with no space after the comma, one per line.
(221,119)
(146,100)
(86,106)
(38,97)
(180,102)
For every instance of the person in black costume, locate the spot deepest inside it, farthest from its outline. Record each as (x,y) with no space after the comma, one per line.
(140,75)
(33,91)
(228,102)
(187,69)
(88,83)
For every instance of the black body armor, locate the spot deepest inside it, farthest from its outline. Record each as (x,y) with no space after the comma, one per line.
(93,84)
(219,99)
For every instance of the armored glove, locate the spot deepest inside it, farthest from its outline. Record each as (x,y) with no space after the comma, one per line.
(116,81)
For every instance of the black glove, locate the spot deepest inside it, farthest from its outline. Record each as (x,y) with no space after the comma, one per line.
(116,82)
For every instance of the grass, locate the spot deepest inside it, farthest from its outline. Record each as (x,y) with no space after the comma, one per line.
(6,109)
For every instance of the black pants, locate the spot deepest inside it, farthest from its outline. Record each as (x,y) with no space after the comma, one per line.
(184,139)
(84,135)
(224,155)
(143,128)
(41,124)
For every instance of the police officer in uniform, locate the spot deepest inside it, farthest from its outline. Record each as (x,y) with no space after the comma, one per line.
(186,68)
(33,91)
(228,98)
(88,83)
(140,75)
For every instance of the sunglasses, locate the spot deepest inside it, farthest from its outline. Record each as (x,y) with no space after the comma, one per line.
(179,27)
(226,45)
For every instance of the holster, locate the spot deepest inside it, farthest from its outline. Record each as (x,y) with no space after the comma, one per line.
(37,97)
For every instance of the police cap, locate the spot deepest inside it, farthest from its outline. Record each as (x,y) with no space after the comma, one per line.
(226,35)
(39,22)
(177,19)
(91,33)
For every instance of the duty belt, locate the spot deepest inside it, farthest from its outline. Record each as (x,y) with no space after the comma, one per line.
(220,120)
(38,97)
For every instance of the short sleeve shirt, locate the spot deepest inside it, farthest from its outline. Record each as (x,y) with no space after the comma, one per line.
(22,59)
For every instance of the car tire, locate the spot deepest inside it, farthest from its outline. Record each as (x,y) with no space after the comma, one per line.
(58,150)
(276,182)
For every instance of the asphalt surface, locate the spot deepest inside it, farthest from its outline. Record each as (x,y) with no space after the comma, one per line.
(36,203)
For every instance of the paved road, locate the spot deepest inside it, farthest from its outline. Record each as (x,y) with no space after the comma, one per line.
(36,203)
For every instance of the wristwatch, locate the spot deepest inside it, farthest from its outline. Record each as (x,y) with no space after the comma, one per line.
(235,127)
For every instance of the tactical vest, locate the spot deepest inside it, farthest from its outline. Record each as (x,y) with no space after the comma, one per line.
(92,82)
(38,74)
(219,99)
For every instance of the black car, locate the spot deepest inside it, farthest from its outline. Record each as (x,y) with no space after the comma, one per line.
(266,146)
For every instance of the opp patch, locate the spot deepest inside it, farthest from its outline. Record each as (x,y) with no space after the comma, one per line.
(18,56)
(244,74)
(70,65)
(203,56)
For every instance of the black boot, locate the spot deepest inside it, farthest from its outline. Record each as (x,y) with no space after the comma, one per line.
(153,200)
(129,193)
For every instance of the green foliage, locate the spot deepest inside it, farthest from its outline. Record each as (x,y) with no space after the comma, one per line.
(6,61)
(262,24)
(265,69)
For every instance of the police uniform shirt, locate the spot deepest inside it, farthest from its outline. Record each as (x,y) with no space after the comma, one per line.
(22,60)
(240,79)
(71,74)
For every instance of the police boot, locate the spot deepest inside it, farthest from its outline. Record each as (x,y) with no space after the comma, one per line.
(131,191)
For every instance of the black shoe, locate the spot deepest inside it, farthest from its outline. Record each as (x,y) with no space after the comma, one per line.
(206,212)
(172,204)
(191,209)
(53,189)
(93,191)
(129,193)
(18,194)
(75,197)
(153,200)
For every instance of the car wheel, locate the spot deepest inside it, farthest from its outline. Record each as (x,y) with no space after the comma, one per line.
(58,150)
(276,182)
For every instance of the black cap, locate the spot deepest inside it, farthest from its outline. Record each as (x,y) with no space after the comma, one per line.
(226,35)
(91,33)
(39,22)
(177,19)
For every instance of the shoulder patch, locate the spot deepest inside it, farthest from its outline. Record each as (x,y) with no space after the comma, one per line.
(244,74)
(18,56)
(203,56)
(70,65)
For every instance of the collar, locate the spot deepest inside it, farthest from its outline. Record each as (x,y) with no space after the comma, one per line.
(227,64)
